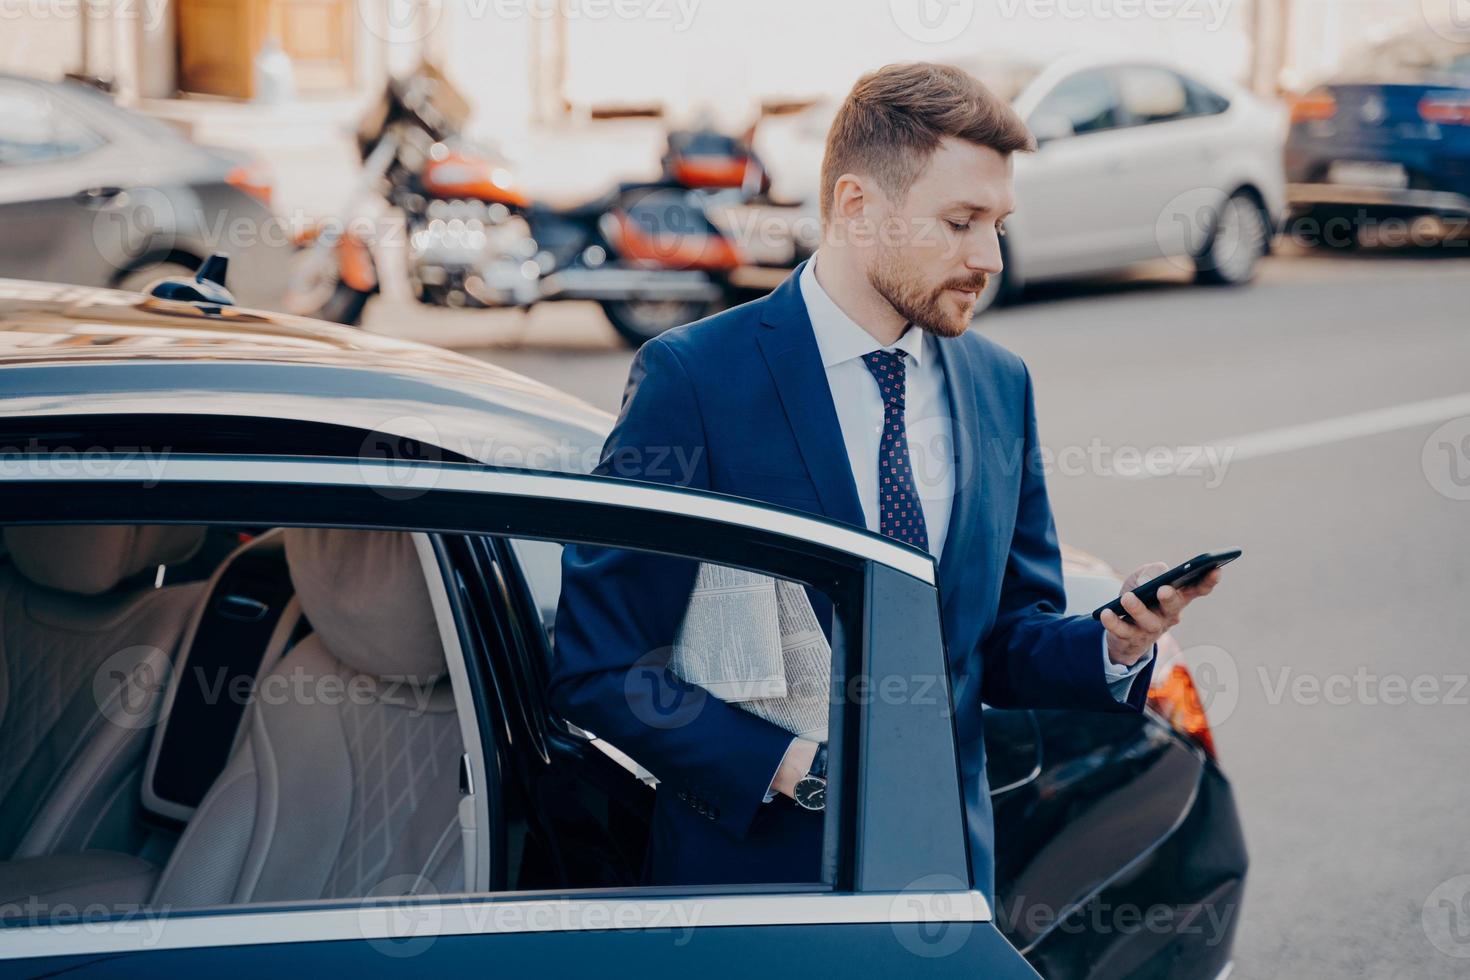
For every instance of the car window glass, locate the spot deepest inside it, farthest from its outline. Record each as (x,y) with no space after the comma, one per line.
(1152,95)
(1085,100)
(287,630)
(33,129)
(760,643)
(1454,70)
(540,563)
(1203,100)
(235,633)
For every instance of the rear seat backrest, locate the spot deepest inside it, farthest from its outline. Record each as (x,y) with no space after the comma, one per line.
(346,781)
(245,619)
(84,655)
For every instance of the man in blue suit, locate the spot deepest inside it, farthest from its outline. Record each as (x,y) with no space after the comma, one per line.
(854,391)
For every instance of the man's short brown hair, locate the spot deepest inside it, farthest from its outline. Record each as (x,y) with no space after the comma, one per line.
(894,119)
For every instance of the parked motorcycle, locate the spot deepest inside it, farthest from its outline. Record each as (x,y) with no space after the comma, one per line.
(646,251)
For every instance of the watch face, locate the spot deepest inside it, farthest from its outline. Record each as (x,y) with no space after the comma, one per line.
(811,792)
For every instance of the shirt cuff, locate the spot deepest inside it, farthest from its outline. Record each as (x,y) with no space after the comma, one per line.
(1120,679)
(771,793)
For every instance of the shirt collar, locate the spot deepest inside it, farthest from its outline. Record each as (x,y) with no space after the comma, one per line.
(839,338)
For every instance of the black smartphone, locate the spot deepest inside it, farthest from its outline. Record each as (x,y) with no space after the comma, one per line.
(1179,576)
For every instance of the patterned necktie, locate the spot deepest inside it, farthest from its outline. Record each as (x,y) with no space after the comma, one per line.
(900,515)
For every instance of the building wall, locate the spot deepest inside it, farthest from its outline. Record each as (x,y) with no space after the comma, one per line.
(1324,33)
(489,58)
(726,51)
(134,44)
(724,55)
(35,42)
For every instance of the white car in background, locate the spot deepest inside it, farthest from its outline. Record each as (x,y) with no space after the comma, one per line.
(1137,160)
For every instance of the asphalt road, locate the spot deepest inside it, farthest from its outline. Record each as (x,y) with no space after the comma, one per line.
(1320,420)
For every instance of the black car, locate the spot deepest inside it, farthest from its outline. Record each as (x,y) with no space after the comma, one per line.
(99,195)
(276,637)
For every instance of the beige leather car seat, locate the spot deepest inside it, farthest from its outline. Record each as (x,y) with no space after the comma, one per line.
(85,646)
(346,780)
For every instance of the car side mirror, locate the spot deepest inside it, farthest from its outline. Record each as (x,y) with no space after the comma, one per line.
(1050,126)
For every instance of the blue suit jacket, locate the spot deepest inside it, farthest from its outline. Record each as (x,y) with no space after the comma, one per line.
(739,403)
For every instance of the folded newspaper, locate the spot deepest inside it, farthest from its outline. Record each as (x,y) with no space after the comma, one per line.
(755,642)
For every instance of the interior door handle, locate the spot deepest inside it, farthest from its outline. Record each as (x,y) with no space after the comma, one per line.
(96,197)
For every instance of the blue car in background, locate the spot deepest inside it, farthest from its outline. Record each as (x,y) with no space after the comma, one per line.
(1384,143)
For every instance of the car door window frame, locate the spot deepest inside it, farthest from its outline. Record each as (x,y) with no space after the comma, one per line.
(876,586)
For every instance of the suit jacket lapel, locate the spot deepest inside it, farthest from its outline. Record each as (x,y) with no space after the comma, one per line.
(972,520)
(965,428)
(790,349)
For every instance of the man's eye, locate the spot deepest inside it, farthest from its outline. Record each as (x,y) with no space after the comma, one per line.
(958,225)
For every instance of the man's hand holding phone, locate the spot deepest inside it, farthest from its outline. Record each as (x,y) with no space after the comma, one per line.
(1165,593)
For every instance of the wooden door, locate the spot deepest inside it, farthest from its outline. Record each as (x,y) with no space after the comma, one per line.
(219,39)
(318,35)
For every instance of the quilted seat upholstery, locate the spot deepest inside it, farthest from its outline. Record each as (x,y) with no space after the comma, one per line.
(346,782)
(85,650)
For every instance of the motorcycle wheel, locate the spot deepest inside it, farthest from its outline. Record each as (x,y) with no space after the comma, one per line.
(314,287)
(640,320)
(344,306)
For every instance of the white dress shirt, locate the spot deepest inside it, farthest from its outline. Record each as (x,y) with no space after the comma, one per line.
(842,344)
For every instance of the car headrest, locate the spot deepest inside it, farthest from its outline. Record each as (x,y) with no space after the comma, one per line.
(89,559)
(364,594)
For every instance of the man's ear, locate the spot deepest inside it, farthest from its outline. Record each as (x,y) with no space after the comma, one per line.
(849,198)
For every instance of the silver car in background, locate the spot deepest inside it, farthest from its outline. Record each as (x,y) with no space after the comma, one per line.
(1138,160)
(95,194)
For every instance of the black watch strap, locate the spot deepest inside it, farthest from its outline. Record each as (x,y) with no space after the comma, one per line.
(819,762)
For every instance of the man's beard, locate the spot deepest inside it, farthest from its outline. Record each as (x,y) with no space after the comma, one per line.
(926,309)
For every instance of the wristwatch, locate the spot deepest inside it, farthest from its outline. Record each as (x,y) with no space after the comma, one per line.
(810,792)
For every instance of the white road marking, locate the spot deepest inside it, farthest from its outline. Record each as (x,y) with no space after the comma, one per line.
(1290,438)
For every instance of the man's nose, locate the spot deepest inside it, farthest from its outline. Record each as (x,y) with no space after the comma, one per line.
(985,258)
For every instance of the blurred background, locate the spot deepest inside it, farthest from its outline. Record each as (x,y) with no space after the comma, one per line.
(1240,273)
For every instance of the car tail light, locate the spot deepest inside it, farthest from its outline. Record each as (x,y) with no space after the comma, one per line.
(1446,108)
(1313,107)
(254,179)
(1174,696)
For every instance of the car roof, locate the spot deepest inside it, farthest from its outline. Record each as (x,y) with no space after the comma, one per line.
(10,76)
(101,111)
(251,381)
